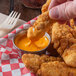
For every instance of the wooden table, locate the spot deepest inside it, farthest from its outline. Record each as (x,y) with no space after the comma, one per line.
(26,13)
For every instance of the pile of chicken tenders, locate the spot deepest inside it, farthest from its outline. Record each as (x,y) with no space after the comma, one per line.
(63,39)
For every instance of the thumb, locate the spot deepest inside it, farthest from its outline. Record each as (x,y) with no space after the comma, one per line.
(63,11)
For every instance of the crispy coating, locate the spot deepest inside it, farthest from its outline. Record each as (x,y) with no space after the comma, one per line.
(33,62)
(64,40)
(69,55)
(45,6)
(56,68)
(61,35)
(72,23)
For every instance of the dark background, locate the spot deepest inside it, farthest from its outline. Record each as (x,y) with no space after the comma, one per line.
(26,13)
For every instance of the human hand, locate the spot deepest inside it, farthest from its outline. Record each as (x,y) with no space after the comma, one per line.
(62,9)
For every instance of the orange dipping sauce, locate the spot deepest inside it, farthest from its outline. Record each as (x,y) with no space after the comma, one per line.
(26,44)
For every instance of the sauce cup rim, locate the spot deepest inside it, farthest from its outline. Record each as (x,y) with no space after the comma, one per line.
(31,51)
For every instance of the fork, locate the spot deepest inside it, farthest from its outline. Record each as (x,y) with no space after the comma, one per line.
(11,20)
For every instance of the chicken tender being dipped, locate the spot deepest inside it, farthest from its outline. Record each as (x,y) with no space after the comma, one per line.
(43,21)
(41,25)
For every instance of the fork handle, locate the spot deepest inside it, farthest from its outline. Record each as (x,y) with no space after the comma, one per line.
(11,5)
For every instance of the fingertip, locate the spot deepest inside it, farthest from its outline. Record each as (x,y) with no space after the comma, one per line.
(53,13)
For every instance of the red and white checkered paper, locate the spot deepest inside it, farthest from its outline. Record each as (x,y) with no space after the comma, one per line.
(10,57)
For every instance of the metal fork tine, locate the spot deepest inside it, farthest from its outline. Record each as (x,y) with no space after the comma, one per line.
(14,23)
(11,21)
(9,17)
(14,17)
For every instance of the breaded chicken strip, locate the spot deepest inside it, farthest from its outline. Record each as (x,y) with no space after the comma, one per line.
(56,68)
(64,40)
(33,62)
(61,34)
(41,25)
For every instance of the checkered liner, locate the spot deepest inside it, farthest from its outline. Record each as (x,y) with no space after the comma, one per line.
(10,57)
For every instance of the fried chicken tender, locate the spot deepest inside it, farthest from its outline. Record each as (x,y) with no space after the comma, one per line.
(60,37)
(39,27)
(56,68)
(64,40)
(69,55)
(42,24)
(33,62)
